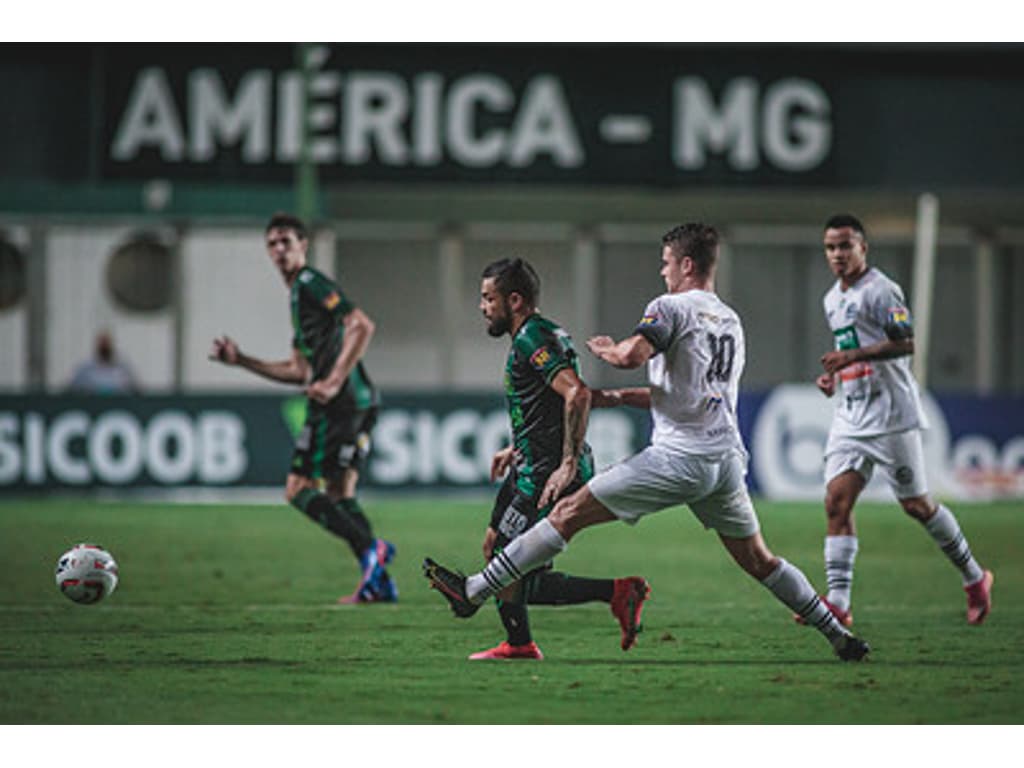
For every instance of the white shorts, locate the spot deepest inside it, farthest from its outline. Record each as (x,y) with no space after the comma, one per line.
(713,487)
(900,454)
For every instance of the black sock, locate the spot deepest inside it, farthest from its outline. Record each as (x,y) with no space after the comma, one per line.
(354,509)
(318,508)
(553,588)
(516,621)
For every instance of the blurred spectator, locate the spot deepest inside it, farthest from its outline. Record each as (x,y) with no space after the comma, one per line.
(104,374)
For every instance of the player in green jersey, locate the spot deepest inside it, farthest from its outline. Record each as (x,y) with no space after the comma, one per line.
(330,337)
(548,458)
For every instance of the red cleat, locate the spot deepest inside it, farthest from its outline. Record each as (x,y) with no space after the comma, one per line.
(627,605)
(505,651)
(843,617)
(979,598)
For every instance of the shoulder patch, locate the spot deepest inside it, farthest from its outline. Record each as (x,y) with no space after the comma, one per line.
(332,300)
(540,358)
(898,316)
(649,320)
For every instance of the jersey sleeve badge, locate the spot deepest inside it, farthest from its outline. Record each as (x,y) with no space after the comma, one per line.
(332,300)
(540,358)
(652,327)
(897,323)
(899,316)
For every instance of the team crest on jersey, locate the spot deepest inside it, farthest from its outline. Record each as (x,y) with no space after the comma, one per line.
(305,277)
(851,310)
(846,338)
(540,358)
(332,300)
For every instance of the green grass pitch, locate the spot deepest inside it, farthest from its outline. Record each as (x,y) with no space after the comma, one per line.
(226,614)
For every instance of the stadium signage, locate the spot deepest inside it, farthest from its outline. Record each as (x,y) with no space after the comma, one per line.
(116,447)
(426,447)
(477,120)
(974,448)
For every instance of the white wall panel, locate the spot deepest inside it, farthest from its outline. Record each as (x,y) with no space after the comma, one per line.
(79,306)
(231,287)
(13,351)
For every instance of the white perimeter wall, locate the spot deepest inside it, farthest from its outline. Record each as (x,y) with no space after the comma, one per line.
(79,305)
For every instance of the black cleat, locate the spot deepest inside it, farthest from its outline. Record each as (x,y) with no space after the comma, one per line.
(852,648)
(452,585)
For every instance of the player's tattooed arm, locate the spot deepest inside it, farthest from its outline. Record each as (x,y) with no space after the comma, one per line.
(576,396)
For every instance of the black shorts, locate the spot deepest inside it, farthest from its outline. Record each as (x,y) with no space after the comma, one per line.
(332,440)
(514,512)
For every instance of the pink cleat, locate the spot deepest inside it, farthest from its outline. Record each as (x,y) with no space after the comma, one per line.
(504,651)
(627,605)
(979,598)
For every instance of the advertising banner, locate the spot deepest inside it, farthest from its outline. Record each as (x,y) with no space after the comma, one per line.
(419,442)
(974,448)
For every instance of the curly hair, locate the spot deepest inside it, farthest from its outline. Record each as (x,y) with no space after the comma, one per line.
(514,276)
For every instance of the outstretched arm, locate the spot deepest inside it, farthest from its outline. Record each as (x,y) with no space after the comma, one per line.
(629,353)
(293,371)
(637,397)
(359,330)
(576,396)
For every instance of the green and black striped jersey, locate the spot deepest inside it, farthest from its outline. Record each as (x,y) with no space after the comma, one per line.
(540,349)
(318,307)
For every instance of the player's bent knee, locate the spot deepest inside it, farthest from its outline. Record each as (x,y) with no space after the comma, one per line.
(579,511)
(918,508)
(838,506)
(760,561)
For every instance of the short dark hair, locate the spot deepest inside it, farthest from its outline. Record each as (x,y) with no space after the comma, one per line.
(841,220)
(514,276)
(281,220)
(696,240)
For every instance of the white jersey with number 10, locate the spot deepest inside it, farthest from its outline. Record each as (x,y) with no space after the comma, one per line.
(695,376)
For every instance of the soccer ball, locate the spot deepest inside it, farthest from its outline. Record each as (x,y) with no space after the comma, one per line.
(86,573)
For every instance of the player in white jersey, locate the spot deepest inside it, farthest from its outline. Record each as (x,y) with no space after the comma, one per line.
(878,418)
(694,346)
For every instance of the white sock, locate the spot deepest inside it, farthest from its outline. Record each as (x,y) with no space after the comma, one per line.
(840,552)
(526,552)
(944,528)
(788,584)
